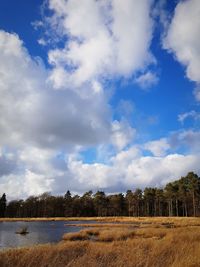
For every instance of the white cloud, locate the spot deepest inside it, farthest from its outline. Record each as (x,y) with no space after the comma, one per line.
(182,37)
(37,121)
(18,89)
(37,160)
(127,169)
(32,112)
(186,139)
(42,42)
(158,171)
(197,93)
(147,80)
(104,38)
(126,157)
(158,148)
(191,114)
(44,129)
(161,13)
(90,175)
(122,134)
(24,185)
(130,170)
(36,183)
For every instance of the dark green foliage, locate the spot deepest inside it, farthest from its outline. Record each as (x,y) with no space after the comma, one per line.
(68,209)
(100,203)
(3,205)
(177,198)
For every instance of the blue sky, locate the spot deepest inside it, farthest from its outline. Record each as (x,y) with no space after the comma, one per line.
(98,94)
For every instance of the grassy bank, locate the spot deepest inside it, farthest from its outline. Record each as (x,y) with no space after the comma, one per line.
(148,220)
(144,242)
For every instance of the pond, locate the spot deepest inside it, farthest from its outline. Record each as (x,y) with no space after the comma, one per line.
(39,232)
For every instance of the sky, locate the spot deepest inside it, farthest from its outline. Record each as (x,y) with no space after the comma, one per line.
(98,94)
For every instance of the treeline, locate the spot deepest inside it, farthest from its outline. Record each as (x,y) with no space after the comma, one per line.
(178,198)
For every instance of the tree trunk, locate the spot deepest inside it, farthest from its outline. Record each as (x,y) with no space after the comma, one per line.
(155,208)
(176,207)
(194,206)
(159,208)
(129,209)
(138,212)
(169,208)
(185,205)
(147,208)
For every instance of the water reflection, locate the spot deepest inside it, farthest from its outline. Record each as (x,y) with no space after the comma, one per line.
(39,232)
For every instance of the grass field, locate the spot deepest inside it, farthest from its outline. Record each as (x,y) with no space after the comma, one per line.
(141,242)
(176,220)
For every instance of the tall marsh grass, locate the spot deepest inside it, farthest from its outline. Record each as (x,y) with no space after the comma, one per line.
(152,244)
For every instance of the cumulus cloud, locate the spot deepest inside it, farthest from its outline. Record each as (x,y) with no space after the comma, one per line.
(158,170)
(104,38)
(37,121)
(158,148)
(122,134)
(49,115)
(187,140)
(25,184)
(33,112)
(128,169)
(182,38)
(41,121)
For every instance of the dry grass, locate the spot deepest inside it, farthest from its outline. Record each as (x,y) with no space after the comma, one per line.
(82,235)
(102,224)
(109,235)
(178,221)
(152,244)
(101,235)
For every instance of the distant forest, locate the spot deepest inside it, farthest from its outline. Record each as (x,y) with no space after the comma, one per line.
(178,198)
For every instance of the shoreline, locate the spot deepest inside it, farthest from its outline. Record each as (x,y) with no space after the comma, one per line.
(102,219)
(153,243)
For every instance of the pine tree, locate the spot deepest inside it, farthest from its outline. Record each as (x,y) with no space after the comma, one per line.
(3,205)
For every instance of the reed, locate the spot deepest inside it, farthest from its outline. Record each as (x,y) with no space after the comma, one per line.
(152,243)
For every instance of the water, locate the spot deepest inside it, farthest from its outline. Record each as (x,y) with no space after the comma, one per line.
(39,232)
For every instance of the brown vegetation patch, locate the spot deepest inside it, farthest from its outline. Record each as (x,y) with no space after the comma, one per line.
(102,225)
(82,235)
(150,245)
(100,234)
(182,221)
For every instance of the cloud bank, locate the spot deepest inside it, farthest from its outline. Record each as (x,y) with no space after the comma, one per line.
(51,114)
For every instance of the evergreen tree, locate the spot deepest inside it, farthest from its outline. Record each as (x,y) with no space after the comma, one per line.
(3,205)
(68,204)
(178,198)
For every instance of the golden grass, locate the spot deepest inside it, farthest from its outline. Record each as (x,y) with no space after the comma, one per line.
(144,248)
(102,224)
(179,221)
(98,234)
(152,244)
(82,235)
